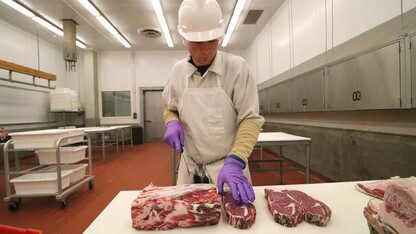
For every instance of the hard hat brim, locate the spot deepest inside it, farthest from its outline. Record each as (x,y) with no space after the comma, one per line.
(203,36)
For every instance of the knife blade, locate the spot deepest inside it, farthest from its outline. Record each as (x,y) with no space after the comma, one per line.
(186,164)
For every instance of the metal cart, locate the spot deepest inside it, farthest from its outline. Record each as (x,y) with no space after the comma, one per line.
(14,200)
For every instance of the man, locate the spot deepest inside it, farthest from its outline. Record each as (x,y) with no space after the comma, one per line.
(211,106)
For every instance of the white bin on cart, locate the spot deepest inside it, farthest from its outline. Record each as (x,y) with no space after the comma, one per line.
(77,171)
(45,138)
(67,155)
(40,183)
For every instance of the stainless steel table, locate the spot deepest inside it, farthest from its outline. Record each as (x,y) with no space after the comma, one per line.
(102,131)
(269,139)
(345,201)
(280,139)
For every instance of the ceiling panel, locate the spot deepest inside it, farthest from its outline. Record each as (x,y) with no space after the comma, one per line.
(128,16)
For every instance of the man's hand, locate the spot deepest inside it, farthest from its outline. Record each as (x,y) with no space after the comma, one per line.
(174,135)
(232,174)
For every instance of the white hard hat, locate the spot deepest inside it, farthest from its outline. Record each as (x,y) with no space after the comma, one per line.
(200,20)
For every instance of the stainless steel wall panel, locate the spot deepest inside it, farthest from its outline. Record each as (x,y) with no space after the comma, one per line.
(297,94)
(314,91)
(341,85)
(378,78)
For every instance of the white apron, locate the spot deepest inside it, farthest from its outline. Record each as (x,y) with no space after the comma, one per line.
(209,122)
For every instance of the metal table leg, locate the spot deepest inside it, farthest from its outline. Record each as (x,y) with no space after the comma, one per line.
(307,162)
(122,137)
(117,141)
(131,137)
(281,166)
(103,146)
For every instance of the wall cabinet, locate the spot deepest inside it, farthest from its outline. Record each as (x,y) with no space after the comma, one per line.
(307,92)
(263,101)
(279,98)
(369,81)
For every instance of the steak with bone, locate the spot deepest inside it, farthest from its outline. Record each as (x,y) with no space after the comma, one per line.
(164,208)
(285,210)
(315,211)
(396,214)
(240,215)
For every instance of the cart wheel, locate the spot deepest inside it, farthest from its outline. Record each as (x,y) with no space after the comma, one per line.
(13,205)
(91,185)
(62,204)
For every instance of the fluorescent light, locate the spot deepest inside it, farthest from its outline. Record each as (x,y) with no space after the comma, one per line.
(233,22)
(48,26)
(162,21)
(89,7)
(239,7)
(107,25)
(20,8)
(80,44)
(123,41)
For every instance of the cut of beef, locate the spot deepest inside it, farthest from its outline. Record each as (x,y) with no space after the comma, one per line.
(240,216)
(378,188)
(315,211)
(396,214)
(163,208)
(285,210)
(374,223)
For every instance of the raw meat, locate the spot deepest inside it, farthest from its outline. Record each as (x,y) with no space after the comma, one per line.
(374,223)
(285,210)
(378,188)
(396,214)
(315,212)
(240,216)
(164,208)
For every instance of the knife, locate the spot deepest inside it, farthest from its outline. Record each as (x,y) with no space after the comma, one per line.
(187,168)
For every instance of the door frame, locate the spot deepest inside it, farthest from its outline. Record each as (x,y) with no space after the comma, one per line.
(142,90)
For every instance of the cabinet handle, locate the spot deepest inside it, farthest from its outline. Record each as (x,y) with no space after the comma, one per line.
(354,96)
(304,102)
(277,105)
(358,95)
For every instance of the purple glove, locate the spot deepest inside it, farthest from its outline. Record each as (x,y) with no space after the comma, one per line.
(174,135)
(232,174)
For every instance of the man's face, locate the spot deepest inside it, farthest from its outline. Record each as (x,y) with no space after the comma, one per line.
(203,53)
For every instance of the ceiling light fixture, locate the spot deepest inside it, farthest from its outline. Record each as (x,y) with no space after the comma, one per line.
(233,22)
(123,40)
(19,8)
(80,44)
(47,25)
(162,21)
(104,21)
(107,25)
(89,7)
(39,19)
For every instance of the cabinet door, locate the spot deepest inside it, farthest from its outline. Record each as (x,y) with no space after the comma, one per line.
(283,97)
(378,78)
(263,102)
(341,85)
(297,94)
(314,91)
(413,72)
(274,105)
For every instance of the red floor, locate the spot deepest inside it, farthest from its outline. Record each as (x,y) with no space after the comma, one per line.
(132,170)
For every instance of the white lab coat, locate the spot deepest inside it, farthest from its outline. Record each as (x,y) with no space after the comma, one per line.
(210,109)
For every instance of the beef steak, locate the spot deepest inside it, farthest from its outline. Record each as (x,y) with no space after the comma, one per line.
(285,210)
(240,216)
(164,208)
(315,211)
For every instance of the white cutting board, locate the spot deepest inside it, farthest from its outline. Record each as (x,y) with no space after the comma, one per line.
(346,203)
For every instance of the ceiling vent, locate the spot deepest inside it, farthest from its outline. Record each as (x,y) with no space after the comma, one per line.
(252,16)
(149,32)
